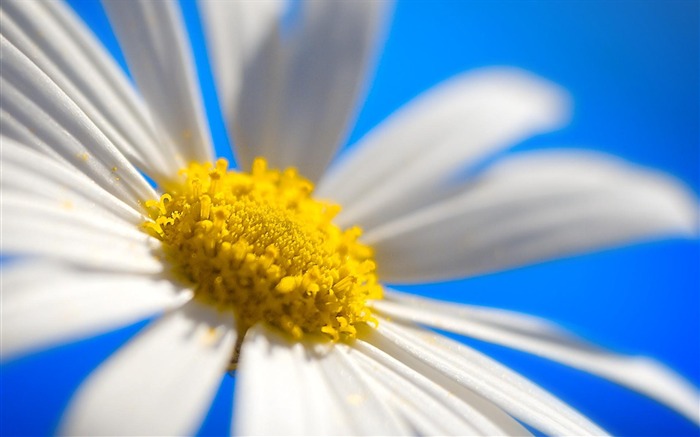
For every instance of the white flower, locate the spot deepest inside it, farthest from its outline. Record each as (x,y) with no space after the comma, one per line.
(74,133)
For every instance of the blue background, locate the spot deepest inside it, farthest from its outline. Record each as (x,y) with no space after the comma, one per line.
(632,69)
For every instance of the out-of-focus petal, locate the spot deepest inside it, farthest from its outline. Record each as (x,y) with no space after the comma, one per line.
(533,207)
(542,338)
(44,303)
(308,390)
(406,161)
(236,34)
(298,89)
(154,40)
(448,363)
(161,382)
(58,42)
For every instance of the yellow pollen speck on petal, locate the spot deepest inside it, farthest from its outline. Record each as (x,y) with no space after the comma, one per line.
(258,244)
(83,156)
(355,399)
(211,336)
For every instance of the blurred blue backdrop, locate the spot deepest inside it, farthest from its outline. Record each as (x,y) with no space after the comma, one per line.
(632,69)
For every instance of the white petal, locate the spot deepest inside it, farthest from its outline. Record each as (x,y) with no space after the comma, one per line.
(12,129)
(66,232)
(37,175)
(269,398)
(37,103)
(161,382)
(431,408)
(323,414)
(300,91)
(235,33)
(406,161)
(59,43)
(531,208)
(541,338)
(155,43)
(368,413)
(447,363)
(44,304)
(286,388)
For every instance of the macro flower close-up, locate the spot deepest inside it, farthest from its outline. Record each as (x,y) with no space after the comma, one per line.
(205,178)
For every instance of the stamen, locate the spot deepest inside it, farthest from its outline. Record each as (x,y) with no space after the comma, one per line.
(258,244)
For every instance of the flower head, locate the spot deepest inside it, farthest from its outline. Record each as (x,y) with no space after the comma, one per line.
(258,244)
(266,267)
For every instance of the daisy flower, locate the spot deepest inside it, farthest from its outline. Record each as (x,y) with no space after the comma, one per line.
(276,270)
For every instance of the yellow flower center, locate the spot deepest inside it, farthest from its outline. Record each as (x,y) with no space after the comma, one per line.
(258,244)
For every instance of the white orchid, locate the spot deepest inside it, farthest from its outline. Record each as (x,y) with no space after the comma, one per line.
(255,267)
